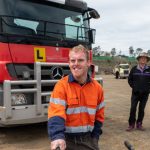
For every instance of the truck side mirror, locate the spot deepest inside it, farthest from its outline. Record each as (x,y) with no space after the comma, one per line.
(94,14)
(91,34)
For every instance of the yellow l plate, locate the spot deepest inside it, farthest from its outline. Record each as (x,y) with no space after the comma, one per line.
(39,54)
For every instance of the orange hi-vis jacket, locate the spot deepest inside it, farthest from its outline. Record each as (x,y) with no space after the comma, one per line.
(79,106)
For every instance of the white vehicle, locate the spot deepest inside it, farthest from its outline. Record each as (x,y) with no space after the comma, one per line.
(121,71)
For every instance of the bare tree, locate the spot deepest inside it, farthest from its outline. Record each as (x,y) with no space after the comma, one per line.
(120,52)
(102,53)
(148,52)
(113,51)
(131,51)
(96,50)
(138,51)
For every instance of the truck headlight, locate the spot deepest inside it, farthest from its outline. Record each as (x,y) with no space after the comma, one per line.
(18,99)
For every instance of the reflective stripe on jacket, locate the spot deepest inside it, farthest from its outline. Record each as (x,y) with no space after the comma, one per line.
(80,106)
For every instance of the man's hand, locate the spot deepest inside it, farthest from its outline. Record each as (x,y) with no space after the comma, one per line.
(58,143)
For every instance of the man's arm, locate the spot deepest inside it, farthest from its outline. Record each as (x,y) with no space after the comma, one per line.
(99,117)
(130,78)
(56,128)
(97,131)
(57,117)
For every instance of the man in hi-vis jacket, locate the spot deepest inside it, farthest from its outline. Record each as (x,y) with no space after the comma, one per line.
(139,81)
(76,108)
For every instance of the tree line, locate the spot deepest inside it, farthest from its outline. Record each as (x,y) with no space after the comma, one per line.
(132,52)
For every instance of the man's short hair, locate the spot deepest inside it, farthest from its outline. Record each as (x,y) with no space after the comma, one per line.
(80,48)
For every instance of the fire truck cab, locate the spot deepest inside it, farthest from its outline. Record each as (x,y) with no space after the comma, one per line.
(35,38)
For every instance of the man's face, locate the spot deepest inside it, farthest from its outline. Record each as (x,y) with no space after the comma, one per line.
(143,60)
(78,64)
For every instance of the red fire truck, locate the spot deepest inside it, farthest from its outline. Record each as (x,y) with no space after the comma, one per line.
(35,37)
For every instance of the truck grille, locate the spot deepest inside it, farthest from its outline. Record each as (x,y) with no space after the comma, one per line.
(40,82)
(47,72)
(50,72)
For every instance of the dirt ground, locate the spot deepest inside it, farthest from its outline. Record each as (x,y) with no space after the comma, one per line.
(117,98)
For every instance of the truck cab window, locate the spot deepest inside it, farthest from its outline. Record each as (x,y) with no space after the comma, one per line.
(27,23)
(74,24)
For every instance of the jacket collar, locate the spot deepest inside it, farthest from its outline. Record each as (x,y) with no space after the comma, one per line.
(139,68)
(145,67)
(72,79)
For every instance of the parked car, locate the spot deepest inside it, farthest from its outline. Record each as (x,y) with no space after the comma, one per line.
(121,70)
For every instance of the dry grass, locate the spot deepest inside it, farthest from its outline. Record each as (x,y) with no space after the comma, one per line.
(117,98)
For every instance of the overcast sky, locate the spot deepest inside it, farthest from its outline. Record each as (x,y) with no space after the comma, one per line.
(123,23)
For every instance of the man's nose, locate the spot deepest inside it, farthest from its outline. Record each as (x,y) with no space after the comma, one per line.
(76,62)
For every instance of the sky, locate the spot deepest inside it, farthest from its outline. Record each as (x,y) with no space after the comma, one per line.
(122,23)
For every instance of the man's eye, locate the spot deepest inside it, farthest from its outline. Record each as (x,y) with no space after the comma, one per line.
(80,60)
(72,61)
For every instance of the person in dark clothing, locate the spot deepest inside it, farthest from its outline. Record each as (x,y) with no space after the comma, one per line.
(139,81)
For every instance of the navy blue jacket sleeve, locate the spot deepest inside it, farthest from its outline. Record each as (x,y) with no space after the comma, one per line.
(97,131)
(130,78)
(56,128)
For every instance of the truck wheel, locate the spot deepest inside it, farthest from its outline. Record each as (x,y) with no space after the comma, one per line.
(117,75)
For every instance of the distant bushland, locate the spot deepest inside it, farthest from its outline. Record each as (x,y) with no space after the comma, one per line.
(107,63)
